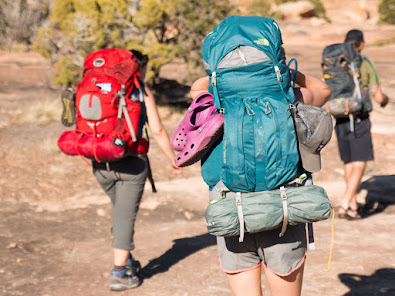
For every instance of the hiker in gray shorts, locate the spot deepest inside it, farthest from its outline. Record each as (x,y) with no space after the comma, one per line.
(282,257)
(124,181)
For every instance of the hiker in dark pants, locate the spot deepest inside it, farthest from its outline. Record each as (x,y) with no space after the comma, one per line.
(282,259)
(124,181)
(356,147)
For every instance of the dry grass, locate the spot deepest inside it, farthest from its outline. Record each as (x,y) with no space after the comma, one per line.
(41,113)
(60,169)
(384,42)
(50,146)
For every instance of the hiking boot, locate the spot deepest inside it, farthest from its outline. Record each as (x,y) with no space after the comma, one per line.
(132,266)
(124,280)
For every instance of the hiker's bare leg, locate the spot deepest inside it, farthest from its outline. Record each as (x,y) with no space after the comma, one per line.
(120,256)
(290,285)
(353,172)
(246,283)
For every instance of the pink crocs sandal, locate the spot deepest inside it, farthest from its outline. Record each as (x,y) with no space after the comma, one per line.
(197,113)
(200,140)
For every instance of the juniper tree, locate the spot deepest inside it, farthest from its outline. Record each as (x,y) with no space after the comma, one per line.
(163,29)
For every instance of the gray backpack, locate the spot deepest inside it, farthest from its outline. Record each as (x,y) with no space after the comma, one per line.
(340,66)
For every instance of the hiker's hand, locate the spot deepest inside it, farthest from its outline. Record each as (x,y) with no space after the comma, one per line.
(384,101)
(200,85)
(176,170)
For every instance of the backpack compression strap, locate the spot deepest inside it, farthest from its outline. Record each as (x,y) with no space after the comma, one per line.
(122,104)
(353,69)
(217,102)
(240,215)
(122,110)
(285,209)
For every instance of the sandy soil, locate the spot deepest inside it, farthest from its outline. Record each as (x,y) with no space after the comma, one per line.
(55,221)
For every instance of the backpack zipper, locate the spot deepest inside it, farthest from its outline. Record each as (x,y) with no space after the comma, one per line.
(278,73)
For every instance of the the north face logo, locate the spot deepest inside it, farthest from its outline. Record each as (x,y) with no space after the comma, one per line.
(262,41)
(120,142)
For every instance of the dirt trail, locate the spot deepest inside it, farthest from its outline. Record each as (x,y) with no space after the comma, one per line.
(55,221)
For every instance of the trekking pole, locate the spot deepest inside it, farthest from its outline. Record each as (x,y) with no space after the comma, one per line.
(122,109)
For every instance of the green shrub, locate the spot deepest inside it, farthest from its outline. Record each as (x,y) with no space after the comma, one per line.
(165,30)
(259,7)
(19,20)
(387,11)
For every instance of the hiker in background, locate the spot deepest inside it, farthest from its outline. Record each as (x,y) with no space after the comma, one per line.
(275,252)
(356,147)
(123,181)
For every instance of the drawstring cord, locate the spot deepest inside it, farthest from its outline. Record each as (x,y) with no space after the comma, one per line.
(332,239)
(78,152)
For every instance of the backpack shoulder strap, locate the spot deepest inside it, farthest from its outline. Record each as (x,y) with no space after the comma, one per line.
(353,68)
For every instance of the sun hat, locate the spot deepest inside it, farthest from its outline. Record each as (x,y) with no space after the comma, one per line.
(314,129)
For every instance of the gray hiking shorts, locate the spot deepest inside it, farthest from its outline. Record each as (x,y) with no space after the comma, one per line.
(282,255)
(123,181)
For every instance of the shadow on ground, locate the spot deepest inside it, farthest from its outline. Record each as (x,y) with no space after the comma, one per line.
(378,284)
(381,194)
(181,249)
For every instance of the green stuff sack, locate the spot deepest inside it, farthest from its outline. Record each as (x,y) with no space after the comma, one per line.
(262,211)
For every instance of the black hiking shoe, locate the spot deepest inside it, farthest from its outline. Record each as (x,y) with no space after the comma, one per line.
(124,280)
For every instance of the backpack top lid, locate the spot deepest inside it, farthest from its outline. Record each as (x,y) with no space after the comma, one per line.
(333,52)
(115,62)
(337,61)
(255,31)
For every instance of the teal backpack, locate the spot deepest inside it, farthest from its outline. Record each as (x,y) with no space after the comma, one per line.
(251,84)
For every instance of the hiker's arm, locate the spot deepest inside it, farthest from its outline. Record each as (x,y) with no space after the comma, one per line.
(158,131)
(370,77)
(381,98)
(312,90)
(200,85)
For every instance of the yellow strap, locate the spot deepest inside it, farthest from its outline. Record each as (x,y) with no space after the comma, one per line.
(332,239)
(347,109)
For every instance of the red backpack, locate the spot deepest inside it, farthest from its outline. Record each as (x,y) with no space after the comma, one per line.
(110,115)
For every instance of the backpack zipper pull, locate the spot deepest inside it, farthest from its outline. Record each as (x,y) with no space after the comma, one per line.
(278,73)
(214,78)
(249,110)
(217,102)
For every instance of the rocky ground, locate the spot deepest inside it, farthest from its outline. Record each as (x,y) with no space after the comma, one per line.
(55,221)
